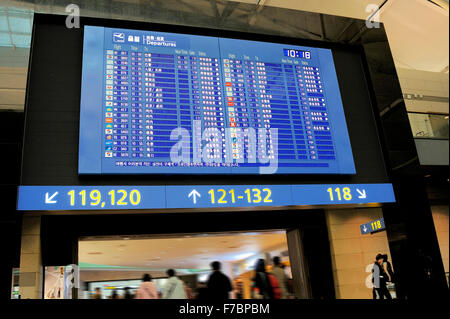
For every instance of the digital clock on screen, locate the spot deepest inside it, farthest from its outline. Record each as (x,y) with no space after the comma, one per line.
(297,54)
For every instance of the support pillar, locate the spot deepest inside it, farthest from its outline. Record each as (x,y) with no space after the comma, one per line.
(353,254)
(31,271)
(298,264)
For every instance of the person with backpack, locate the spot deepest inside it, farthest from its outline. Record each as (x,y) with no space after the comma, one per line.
(280,275)
(265,283)
(174,287)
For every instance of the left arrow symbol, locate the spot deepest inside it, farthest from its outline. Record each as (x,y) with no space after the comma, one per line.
(49,199)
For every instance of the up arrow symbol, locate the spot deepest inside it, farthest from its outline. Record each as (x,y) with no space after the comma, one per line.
(362,194)
(194,195)
(50,200)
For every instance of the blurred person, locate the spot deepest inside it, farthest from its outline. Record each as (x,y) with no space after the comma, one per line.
(202,291)
(127,294)
(380,282)
(147,289)
(174,287)
(97,294)
(219,285)
(280,275)
(261,281)
(188,290)
(387,266)
(115,295)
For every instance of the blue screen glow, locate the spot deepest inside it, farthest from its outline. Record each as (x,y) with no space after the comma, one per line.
(168,103)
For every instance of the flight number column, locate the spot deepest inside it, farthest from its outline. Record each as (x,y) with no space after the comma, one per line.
(137,107)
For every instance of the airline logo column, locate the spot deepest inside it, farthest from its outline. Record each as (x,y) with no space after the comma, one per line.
(109,103)
(116,104)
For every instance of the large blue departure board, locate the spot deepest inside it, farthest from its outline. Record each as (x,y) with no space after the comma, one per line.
(168,103)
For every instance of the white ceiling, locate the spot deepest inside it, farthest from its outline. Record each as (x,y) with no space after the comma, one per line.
(187,252)
(418,31)
(345,8)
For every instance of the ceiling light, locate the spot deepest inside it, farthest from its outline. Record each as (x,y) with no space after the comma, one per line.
(154,259)
(243,256)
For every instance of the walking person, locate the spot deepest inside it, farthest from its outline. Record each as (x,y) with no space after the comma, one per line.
(97,294)
(115,295)
(387,266)
(219,285)
(147,289)
(127,294)
(280,275)
(261,281)
(379,278)
(202,291)
(187,288)
(174,287)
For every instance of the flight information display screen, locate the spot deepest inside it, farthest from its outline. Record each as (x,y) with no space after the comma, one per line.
(169,103)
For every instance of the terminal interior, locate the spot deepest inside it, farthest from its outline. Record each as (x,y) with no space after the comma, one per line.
(408,71)
(113,263)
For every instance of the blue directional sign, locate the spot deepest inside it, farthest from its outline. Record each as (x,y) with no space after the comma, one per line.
(229,196)
(91,197)
(373,226)
(46,198)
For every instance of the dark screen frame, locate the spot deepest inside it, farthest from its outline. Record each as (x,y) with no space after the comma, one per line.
(129,179)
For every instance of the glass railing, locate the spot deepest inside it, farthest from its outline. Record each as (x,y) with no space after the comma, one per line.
(429,125)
